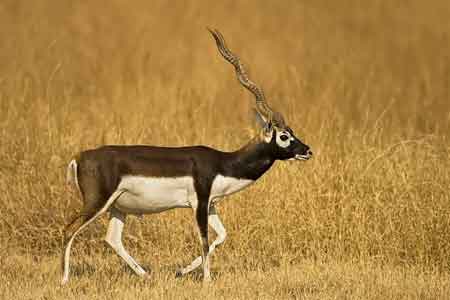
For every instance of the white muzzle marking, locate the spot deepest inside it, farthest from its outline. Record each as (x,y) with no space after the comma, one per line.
(302,157)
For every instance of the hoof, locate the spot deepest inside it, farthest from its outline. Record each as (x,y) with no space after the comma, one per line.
(179,273)
(207,281)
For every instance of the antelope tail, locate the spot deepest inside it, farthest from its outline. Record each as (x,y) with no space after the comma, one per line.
(72,174)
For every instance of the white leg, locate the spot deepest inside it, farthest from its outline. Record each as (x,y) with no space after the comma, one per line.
(206,272)
(216,224)
(114,239)
(104,209)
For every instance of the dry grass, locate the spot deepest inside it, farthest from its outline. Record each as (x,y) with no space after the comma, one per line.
(103,277)
(367,86)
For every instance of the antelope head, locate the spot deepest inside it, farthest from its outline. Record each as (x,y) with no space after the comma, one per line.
(273,128)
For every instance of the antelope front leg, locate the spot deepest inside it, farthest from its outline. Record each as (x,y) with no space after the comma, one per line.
(201,215)
(216,224)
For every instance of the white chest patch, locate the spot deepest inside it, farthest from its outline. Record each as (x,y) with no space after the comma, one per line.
(223,186)
(152,194)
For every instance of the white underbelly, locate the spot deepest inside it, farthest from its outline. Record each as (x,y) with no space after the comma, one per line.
(146,195)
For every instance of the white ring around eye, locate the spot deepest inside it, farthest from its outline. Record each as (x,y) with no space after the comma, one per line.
(280,142)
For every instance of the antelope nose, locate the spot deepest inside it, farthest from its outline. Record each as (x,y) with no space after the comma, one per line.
(309,152)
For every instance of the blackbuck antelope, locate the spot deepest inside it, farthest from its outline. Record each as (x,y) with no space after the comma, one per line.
(146,179)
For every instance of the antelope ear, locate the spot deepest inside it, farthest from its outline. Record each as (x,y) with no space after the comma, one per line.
(260,120)
(268,132)
(265,125)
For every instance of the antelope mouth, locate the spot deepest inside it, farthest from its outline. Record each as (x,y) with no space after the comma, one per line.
(302,157)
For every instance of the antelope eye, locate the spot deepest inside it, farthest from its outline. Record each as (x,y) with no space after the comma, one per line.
(284,137)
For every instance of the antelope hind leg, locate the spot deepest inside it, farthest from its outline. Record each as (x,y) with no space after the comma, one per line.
(114,239)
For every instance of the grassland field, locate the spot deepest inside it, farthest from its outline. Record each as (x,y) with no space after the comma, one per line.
(366,84)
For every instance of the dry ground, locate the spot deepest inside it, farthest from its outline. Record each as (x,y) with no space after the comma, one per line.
(101,277)
(367,85)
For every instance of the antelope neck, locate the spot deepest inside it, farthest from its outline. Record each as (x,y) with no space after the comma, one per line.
(249,162)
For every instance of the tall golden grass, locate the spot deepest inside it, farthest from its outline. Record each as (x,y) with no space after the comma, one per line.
(366,84)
